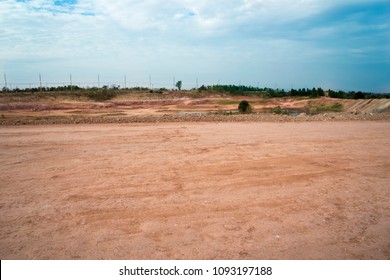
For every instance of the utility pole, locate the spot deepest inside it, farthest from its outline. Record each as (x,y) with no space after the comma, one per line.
(196,83)
(174,82)
(40,82)
(98,80)
(150,82)
(125,81)
(5,82)
(71,84)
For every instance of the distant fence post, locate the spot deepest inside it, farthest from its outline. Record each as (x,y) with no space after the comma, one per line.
(71,83)
(5,82)
(40,82)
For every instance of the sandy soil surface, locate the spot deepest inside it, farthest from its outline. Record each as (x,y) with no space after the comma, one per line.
(309,190)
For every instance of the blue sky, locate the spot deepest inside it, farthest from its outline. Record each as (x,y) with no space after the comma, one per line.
(338,44)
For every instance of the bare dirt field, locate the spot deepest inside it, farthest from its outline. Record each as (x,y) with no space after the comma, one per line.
(240,190)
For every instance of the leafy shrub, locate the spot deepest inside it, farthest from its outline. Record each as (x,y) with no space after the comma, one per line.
(101,95)
(244,107)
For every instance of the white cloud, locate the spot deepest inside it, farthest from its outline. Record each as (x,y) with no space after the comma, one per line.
(220,37)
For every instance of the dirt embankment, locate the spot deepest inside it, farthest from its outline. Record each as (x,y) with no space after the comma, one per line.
(211,109)
(369,106)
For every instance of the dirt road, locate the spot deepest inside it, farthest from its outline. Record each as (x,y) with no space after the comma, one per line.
(309,190)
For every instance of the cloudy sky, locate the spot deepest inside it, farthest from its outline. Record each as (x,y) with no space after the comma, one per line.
(338,44)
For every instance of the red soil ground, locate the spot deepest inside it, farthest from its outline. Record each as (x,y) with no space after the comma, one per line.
(309,190)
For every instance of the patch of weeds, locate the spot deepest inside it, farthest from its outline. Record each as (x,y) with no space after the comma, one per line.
(279,111)
(196,95)
(323,108)
(337,107)
(101,95)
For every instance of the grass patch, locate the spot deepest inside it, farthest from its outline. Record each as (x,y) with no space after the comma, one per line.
(279,111)
(196,95)
(323,108)
(101,95)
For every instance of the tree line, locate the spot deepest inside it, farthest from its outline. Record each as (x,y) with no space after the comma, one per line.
(303,92)
(234,90)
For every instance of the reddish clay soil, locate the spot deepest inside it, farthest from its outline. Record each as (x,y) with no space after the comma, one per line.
(308,190)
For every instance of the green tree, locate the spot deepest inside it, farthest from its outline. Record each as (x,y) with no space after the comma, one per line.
(202,88)
(359,95)
(179,84)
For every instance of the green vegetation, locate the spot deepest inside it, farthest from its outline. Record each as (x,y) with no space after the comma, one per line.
(312,93)
(101,95)
(195,95)
(323,107)
(244,107)
(280,111)
(234,90)
(179,85)
(106,92)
